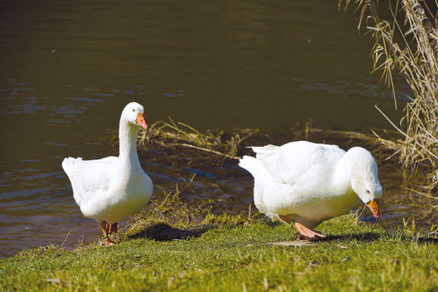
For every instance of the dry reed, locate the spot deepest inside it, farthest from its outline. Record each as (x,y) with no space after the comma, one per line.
(178,134)
(406,43)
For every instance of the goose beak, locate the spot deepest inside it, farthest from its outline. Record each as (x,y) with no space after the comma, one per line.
(374,207)
(141,121)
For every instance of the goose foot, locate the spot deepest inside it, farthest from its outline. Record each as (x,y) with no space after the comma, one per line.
(304,232)
(109,242)
(307,233)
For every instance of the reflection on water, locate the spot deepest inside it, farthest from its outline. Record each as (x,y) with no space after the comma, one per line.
(68,68)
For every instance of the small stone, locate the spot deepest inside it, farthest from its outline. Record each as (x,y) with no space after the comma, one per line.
(170,281)
(298,243)
(56,280)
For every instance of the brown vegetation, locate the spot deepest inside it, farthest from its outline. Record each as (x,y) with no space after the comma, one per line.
(406,43)
(178,134)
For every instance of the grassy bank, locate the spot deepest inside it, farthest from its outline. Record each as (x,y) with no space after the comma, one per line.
(235,257)
(185,240)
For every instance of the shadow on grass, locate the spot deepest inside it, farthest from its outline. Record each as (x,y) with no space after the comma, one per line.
(429,239)
(165,232)
(371,236)
(273,224)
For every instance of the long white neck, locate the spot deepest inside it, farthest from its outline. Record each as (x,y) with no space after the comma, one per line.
(128,145)
(341,179)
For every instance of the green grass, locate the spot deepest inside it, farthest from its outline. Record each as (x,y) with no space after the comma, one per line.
(236,257)
(182,244)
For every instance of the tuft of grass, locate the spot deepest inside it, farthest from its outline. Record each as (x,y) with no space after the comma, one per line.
(406,42)
(227,257)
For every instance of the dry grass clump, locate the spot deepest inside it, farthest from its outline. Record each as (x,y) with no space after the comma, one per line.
(406,42)
(178,134)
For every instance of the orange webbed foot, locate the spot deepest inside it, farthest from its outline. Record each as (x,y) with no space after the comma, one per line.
(307,233)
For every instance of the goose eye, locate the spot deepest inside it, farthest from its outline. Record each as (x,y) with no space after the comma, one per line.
(133,109)
(368,191)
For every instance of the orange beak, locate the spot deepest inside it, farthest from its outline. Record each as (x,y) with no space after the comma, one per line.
(141,121)
(374,207)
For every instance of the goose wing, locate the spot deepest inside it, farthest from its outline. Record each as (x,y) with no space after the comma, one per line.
(89,178)
(303,163)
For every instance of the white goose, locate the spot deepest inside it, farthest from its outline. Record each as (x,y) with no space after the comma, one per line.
(112,188)
(307,183)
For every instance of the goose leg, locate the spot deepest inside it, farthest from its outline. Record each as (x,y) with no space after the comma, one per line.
(113,228)
(285,219)
(105,228)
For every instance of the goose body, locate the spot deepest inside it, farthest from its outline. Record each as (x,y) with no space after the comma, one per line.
(308,183)
(112,188)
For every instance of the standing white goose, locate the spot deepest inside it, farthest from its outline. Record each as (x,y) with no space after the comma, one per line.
(112,188)
(307,183)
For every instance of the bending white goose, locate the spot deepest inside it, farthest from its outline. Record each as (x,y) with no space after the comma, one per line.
(112,188)
(307,183)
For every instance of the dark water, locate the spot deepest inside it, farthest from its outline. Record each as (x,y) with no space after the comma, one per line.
(69,67)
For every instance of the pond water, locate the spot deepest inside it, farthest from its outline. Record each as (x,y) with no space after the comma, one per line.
(69,67)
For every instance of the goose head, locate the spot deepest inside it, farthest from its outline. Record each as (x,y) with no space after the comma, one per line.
(133,114)
(364,178)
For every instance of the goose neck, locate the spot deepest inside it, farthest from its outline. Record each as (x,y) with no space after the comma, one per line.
(342,174)
(128,142)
